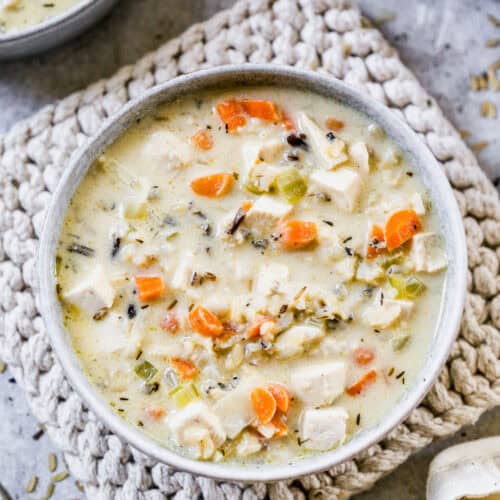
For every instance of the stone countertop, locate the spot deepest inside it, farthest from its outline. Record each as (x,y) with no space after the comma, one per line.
(442,42)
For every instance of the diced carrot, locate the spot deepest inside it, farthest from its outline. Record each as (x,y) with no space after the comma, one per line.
(367,379)
(280,426)
(203,139)
(231,112)
(364,355)
(296,234)
(247,205)
(205,322)
(334,124)
(281,396)
(264,404)
(265,110)
(401,227)
(185,368)
(154,412)
(254,330)
(213,186)
(149,287)
(170,323)
(374,239)
(288,122)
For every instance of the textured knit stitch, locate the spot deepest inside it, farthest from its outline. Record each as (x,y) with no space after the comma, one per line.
(322,35)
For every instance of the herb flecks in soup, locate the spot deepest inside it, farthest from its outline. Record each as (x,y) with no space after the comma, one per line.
(17,15)
(251,280)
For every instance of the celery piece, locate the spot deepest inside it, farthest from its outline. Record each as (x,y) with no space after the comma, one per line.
(399,341)
(291,184)
(184,394)
(145,370)
(408,287)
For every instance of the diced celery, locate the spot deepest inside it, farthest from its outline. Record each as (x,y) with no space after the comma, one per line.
(291,184)
(184,394)
(391,260)
(253,188)
(145,370)
(399,341)
(408,287)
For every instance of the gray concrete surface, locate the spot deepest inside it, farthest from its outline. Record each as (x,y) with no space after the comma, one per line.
(441,41)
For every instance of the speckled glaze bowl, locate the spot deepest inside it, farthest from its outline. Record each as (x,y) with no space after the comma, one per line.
(446,325)
(53,31)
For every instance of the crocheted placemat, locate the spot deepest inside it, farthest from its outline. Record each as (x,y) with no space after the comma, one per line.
(323,35)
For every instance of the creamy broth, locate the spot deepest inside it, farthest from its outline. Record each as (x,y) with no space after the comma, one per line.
(18,15)
(256,316)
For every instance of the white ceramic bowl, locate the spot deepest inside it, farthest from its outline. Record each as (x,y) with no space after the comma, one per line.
(447,322)
(54,30)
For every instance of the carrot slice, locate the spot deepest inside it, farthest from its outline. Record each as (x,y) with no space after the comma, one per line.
(205,322)
(265,110)
(149,287)
(367,379)
(203,139)
(185,368)
(334,124)
(247,205)
(374,239)
(288,123)
(231,112)
(154,412)
(363,355)
(281,396)
(401,227)
(296,234)
(280,426)
(213,186)
(264,404)
(254,330)
(170,323)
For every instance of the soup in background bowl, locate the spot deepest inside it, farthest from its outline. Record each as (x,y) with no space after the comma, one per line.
(253,273)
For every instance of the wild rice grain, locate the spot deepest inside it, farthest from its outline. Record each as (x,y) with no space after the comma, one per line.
(30,487)
(52,462)
(60,477)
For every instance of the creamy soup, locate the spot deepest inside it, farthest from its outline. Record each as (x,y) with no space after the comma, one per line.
(251,280)
(17,15)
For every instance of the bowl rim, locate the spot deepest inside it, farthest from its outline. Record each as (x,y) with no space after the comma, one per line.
(50,24)
(453,295)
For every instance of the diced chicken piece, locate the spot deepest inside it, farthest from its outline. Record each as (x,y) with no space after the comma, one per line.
(318,383)
(343,185)
(406,306)
(197,428)
(267,430)
(183,272)
(295,340)
(265,215)
(346,268)
(359,153)
(329,154)
(427,253)
(390,205)
(271,150)
(249,444)
(369,272)
(329,242)
(93,293)
(271,279)
(235,408)
(324,428)
(166,149)
(261,177)
(385,312)
(417,203)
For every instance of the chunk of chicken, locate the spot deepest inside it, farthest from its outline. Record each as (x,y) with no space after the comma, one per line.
(249,444)
(261,177)
(167,150)
(272,279)
(268,151)
(346,268)
(318,383)
(369,272)
(427,253)
(197,428)
(296,339)
(343,186)
(329,153)
(329,242)
(359,153)
(385,312)
(324,428)
(265,215)
(93,293)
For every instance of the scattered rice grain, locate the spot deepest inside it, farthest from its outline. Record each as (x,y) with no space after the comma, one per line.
(492,43)
(493,20)
(50,490)
(52,462)
(479,146)
(60,477)
(488,109)
(31,486)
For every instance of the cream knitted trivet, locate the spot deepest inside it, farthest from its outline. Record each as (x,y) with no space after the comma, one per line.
(323,35)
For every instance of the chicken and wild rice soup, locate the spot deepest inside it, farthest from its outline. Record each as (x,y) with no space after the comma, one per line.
(18,15)
(251,275)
